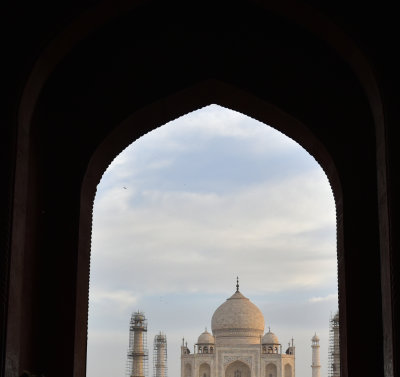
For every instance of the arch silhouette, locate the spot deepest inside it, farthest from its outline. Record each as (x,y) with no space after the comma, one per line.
(41,108)
(223,95)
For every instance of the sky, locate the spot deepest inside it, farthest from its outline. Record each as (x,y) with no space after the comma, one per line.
(187,208)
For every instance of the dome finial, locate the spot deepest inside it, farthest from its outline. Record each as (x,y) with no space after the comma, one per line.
(237,283)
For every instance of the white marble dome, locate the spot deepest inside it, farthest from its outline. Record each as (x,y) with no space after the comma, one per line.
(315,338)
(238,317)
(270,338)
(205,338)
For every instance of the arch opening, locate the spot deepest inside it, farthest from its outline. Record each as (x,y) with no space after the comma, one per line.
(124,191)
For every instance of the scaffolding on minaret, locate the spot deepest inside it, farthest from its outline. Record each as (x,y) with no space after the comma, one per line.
(160,367)
(137,360)
(334,347)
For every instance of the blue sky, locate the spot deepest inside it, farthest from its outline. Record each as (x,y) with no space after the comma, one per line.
(188,207)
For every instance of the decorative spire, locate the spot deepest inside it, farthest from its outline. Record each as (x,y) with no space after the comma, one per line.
(237,283)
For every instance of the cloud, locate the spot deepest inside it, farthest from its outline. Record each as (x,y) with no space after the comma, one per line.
(107,353)
(199,155)
(330,297)
(114,297)
(179,235)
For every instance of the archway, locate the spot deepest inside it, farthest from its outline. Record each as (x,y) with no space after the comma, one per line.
(204,370)
(271,370)
(238,369)
(73,279)
(188,370)
(221,194)
(288,370)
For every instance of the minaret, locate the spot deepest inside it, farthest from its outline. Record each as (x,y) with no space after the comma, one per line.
(316,365)
(137,352)
(160,356)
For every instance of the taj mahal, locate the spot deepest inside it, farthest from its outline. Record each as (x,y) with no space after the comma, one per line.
(238,346)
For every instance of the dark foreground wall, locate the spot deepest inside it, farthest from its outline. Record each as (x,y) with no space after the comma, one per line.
(84,80)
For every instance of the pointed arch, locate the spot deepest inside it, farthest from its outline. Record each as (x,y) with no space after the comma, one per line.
(271,370)
(237,369)
(288,370)
(204,370)
(188,370)
(27,171)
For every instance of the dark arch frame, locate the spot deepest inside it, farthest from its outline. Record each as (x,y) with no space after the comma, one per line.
(304,15)
(167,110)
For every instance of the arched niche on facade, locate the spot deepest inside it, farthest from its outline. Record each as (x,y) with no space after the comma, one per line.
(271,370)
(288,370)
(188,370)
(237,369)
(204,370)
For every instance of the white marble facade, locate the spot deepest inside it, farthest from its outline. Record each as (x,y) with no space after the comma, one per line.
(238,346)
